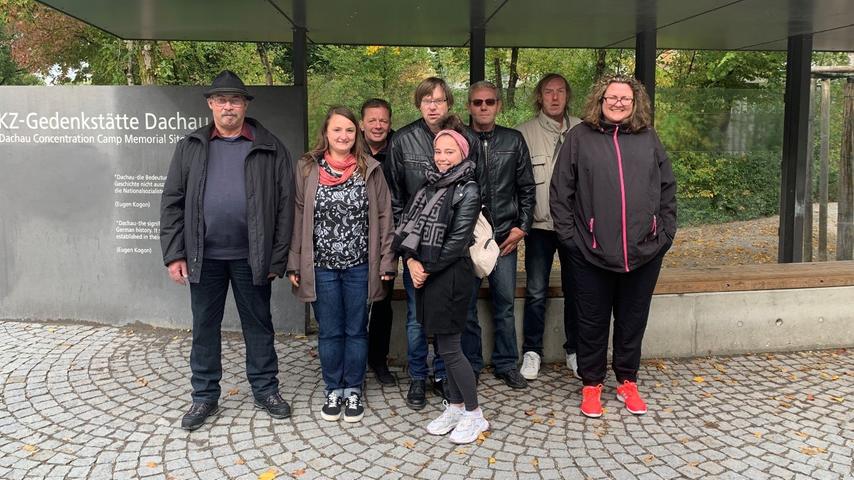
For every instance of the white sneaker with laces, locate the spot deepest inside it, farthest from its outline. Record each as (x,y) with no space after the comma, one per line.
(446,421)
(530,365)
(572,364)
(470,426)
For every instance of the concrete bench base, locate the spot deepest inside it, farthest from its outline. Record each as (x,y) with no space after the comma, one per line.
(698,324)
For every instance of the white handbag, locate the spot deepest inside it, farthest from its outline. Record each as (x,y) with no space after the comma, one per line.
(484,251)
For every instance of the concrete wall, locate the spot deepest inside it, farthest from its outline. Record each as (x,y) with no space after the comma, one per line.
(699,324)
(61,255)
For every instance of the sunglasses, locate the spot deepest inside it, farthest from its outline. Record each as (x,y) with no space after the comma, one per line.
(490,102)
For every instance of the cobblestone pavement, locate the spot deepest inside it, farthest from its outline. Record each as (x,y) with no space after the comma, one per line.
(84,401)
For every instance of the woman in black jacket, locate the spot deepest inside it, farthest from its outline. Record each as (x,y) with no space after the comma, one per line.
(613,202)
(433,237)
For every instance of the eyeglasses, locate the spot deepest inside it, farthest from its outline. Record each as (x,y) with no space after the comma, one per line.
(433,101)
(234,101)
(613,100)
(490,102)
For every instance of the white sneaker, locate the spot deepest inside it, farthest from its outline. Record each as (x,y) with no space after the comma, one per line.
(572,364)
(530,365)
(470,426)
(446,421)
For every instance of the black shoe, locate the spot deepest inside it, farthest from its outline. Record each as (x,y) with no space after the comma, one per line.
(198,413)
(512,378)
(331,410)
(439,388)
(353,409)
(416,399)
(384,376)
(275,405)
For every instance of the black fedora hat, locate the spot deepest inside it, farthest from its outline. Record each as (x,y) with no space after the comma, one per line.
(227,82)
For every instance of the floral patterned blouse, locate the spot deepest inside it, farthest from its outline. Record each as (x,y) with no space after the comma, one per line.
(341,222)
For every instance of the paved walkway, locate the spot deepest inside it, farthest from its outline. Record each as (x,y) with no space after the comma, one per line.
(84,401)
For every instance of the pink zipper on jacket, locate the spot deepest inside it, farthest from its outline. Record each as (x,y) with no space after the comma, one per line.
(622,199)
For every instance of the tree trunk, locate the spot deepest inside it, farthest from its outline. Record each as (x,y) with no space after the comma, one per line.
(513,77)
(845,214)
(131,46)
(146,67)
(496,67)
(265,61)
(808,220)
(601,55)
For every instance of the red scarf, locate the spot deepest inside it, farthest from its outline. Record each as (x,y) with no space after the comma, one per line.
(346,167)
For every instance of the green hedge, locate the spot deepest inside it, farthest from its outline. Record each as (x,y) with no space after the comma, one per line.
(716,187)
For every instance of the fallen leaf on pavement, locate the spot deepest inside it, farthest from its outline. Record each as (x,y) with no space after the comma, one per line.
(531,411)
(142,382)
(270,474)
(536,419)
(29,448)
(483,436)
(648,459)
(298,472)
(151,464)
(699,379)
(462,451)
(240,461)
(491,460)
(802,435)
(232,391)
(535,462)
(409,444)
(812,451)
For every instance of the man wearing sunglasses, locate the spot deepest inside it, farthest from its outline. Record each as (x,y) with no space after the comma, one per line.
(228,204)
(508,193)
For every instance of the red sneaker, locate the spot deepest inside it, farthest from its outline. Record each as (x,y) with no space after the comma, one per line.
(591,404)
(628,394)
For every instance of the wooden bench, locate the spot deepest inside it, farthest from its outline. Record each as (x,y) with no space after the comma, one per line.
(731,278)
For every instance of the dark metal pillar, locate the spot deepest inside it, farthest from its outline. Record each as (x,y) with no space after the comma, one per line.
(300,68)
(645,45)
(477,42)
(794,165)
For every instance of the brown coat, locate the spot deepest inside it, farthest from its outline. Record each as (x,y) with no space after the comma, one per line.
(381,260)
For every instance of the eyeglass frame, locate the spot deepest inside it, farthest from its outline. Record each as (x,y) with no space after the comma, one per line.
(433,101)
(222,100)
(490,102)
(613,100)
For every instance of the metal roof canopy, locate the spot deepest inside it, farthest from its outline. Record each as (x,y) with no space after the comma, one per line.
(679,24)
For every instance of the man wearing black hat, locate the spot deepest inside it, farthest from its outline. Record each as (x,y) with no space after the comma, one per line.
(228,204)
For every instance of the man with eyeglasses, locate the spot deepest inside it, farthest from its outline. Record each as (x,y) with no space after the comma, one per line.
(507,189)
(410,155)
(544,135)
(227,206)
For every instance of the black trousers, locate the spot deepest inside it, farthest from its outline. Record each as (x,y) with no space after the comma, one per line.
(253,306)
(598,293)
(379,329)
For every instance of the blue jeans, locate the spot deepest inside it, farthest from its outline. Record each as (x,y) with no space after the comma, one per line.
(416,341)
(207,299)
(341,310)
(502,286)
(540,247)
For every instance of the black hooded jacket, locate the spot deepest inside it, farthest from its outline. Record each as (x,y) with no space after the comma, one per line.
(613,194)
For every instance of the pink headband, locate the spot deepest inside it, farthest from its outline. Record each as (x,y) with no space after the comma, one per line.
(461,141)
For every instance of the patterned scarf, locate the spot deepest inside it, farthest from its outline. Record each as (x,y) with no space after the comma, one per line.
(424,223)
(346,167)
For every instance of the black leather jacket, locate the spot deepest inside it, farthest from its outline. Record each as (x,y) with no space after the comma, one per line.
(410,153)
(458,237)
(506,180)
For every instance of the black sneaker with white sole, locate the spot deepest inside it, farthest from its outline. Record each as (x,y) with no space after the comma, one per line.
(353,409)
(331,410)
